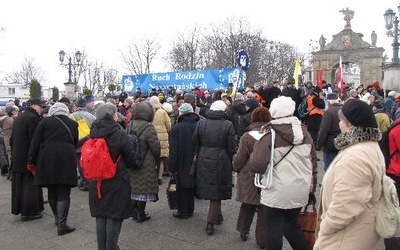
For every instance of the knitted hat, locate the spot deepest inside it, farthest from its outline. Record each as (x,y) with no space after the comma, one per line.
(252,103)
(9,109)
(375,84)
(239,96)
(167,107)
(189,97)
(154,100)
(218,106)
(282,106)
(89,98)
(261,114)
(392,93)
(58,108)
(359,113)
(81,103)
(185,108)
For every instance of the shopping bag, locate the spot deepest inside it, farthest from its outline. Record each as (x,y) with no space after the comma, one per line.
(172,193)
(307,221)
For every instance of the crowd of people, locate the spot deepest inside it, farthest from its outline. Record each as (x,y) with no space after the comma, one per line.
(203,138)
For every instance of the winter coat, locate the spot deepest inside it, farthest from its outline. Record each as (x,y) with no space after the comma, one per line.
(162,123)
(52,151)
(6,125)
(296,174)
(235,111)
(144,180)
(329,129)
(350,189)
(22,135)
(215,138)
(116,194)
(245,121)
(3,153)
(246,192)
(383,121)
(181,148)
(394,144)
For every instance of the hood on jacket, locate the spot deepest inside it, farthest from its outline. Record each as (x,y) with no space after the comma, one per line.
(143,111)
(290,128)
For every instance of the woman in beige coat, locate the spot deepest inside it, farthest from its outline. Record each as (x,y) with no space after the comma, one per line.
(352,185)
(162,123)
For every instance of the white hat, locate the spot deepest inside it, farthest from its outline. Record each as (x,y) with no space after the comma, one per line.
(392,93)
(218,106)
(167,107)
(281,107)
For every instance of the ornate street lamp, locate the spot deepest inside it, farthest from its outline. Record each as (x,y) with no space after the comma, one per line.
(69,65)
(392,22)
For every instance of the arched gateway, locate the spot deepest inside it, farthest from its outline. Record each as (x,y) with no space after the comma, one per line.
(362,61)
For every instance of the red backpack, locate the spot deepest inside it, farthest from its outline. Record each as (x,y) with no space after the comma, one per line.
(96,161)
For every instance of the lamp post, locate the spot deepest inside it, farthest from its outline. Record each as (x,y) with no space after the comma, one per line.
(69,65)
(70,87)
(392,22)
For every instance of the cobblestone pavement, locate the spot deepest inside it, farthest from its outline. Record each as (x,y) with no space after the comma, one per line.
(161,232)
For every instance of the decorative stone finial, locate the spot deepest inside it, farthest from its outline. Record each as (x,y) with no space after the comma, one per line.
(373,39)
(348,15)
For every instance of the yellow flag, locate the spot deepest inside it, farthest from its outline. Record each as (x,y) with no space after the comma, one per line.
(296,73)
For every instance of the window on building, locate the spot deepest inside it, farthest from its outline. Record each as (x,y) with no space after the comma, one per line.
(11,91)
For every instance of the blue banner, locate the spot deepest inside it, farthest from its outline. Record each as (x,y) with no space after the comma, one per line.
(185,80)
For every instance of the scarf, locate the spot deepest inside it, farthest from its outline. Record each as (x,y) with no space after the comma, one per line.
(355,135)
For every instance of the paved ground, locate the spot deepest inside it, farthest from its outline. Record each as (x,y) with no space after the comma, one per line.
(161,232)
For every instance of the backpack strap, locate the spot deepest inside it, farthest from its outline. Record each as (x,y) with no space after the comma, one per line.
(142,128)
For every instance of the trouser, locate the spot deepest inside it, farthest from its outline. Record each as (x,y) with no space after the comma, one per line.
(246,214)
(328,158)
(186,201)
(107,232)
(394,243)
(214,211)
(283,222)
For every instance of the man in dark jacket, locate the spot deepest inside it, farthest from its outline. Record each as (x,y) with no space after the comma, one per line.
(329,129)
(272,93)
(235,111)
(27,199)
(181,151)
(293,93)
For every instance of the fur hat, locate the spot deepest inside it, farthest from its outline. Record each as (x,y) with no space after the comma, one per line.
(185,108)
(282,106)
(218,106)
(252,103)
(359,113)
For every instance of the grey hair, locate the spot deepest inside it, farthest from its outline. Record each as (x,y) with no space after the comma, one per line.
(106,111)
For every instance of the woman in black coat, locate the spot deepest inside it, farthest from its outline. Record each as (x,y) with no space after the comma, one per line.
(181,151)
(52,151)
(215,138)
(115,204)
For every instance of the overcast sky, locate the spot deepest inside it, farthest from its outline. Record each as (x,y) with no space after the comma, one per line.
(40,29)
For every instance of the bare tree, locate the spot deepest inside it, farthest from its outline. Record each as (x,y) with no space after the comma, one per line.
(28,72)
(97,76)
(140,54)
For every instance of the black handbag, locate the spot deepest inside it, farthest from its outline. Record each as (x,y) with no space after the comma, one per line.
(172,193)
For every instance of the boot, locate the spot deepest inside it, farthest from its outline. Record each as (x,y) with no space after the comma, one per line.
(62,212)
(220,220)
(210,229)
(53,206)
(142,216)
(134,208)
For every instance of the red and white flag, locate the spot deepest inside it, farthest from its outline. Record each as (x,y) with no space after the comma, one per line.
(339,77)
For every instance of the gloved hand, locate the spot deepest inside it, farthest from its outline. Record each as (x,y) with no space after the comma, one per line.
(311,199)
(31,168)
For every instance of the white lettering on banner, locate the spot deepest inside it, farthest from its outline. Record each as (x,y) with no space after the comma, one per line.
(165,77)
(186,87)
(189,76)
